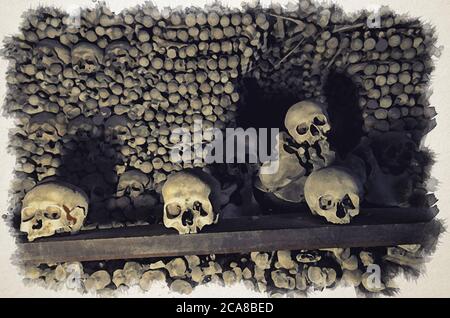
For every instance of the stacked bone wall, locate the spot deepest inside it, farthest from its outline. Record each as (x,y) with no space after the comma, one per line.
(153,70)
(96,97)
(278,274)
(374,77)
(390,63)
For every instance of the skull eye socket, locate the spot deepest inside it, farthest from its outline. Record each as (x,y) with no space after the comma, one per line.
(199,207)
(347,202)
(121,131)
(173,210)
(52,212)
(136,188)
(28,214)
(318,121)
(326,202)
(302,129)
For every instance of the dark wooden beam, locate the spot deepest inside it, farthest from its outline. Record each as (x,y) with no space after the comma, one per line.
(376,227)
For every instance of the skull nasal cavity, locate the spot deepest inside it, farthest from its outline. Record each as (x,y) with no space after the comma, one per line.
(188,218)
(198,207)
(341,211)
(314,130)
(37,225)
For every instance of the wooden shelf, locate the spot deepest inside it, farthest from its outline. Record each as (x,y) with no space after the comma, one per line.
(374,227)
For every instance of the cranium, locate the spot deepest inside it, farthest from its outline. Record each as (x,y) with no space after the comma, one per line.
(132,183)
(307,122)
(45,127)
(187,205)
(51,208)
(333,193)
(117,129)
(86,58)
(117,55)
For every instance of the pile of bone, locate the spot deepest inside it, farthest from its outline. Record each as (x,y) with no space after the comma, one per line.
(279,273)
(391,64)
(96,96)
(301,47)
(392,69)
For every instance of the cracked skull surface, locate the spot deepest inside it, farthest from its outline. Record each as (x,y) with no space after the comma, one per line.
(53,207)
(187,205)
(307,122)
(333,193)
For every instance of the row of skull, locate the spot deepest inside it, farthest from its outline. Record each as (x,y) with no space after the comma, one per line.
(48,127)
(85,57)
(192,197)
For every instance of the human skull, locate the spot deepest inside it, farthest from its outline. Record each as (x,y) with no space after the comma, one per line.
(86,58)
(117,129)
(53,207)
(45,127)
(117,55)
(132,184)
(187,205)
(333,193)
(307,122)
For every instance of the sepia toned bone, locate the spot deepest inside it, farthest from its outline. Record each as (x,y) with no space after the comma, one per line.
(51,208)
(334,193)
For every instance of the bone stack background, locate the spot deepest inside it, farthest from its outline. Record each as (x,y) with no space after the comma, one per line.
(123,84)
(104,124)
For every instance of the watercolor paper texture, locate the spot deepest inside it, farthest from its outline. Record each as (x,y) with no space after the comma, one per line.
(110,112)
